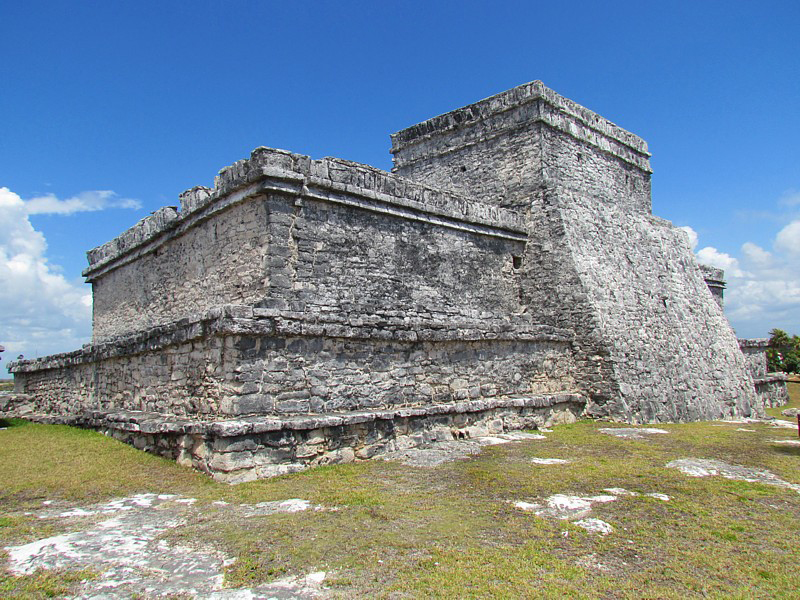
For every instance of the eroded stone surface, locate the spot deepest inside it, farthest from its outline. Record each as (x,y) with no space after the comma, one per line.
(780,423)
(595,526)
(578,508)
(624,492)
(511,436)
(447,451)
(550,461)
(700,467)
(630,433)
(124,546)
(282,506)
(564,506)
(658,496)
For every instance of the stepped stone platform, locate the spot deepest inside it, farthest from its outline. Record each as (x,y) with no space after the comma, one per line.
(507,274)
(253,447)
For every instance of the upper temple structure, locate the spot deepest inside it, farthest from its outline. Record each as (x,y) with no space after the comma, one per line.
(507,274)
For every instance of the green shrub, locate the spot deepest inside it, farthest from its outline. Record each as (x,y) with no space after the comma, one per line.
(783,353)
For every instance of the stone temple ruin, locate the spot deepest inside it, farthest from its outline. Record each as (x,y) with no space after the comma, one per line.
(507,274)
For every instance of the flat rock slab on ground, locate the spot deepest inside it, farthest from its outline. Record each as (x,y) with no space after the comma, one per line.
(786,442)
(441,452)
(595,526)
(121,541)
(700,467)
(624,492)
(781,423)
(578,508)
(565,506)
(550,461)
(631,433)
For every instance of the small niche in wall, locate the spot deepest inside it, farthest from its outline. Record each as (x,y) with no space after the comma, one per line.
(516,262)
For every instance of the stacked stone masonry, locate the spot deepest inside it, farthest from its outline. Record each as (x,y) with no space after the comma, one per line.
(770,387)
(507,274)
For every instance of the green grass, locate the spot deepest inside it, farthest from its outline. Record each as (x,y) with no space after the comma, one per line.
(6,385)
(42,584)
(451,531)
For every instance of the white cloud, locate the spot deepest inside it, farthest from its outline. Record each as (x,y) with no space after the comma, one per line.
(90,201)
(763,287)
(788,239)
(43,312)
(711,256)
(692,236)
(756,255)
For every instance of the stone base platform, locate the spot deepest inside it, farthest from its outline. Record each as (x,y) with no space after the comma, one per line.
(771,389)
(259,446)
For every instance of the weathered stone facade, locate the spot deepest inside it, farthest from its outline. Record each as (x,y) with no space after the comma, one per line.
(770,387)
(508,269)
(715,280)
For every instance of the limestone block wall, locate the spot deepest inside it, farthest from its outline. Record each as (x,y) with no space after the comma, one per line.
(354,289)
(772,390)
(512,253)
(651,342)
(715,280)
(755,353)
(673,354)
(242,360)
(498,170)
(219,261)
(332,259)
(494,151)
(282,231)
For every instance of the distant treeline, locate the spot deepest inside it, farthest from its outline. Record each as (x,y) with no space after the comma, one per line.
(783,353)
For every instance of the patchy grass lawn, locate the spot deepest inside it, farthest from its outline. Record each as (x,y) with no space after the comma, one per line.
(451,531)
(6,385)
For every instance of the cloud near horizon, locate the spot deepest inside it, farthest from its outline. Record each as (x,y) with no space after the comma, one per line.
(763,290)
(43,311)
(89,201)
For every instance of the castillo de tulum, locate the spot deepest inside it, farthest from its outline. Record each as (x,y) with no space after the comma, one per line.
(507,274)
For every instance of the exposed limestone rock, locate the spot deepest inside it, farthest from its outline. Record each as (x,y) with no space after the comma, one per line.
(125,548)
(699,467)
(595,526)
(624,492)
(565,506)
(629,433)
(446,451)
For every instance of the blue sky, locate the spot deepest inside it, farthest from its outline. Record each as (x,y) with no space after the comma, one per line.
(109,110)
